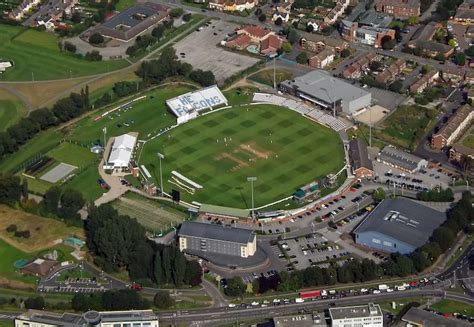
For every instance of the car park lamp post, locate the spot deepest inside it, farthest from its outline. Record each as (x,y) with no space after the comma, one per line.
(161,156)
(251,180)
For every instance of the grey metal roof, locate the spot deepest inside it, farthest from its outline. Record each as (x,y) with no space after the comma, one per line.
(375,19)
(399,158)
(360,311)
(402,219)
(425,318)
(359,155)
(320,85)
(216,232)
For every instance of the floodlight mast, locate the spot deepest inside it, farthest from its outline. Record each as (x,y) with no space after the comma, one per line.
(161,156)
(252,179)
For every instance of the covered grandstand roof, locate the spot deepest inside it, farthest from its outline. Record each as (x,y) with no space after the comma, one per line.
(216,232)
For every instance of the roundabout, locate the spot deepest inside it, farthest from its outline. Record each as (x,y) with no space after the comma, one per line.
(209,159)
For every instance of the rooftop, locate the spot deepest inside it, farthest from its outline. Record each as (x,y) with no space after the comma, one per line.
(330,41)
(455,120)
(399,157)
(401,3)
(375,19)
(122,149)
(216,232)
(424,318)
(361,311)
(402,219)
(359,155)
(320,85)
(301,320)
(256,31)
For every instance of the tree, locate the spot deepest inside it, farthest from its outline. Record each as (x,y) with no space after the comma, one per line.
(163,300)
(96,38)
(235,287)
(179,267)
(286,47)
(440,57)
(302,58)
(425,69)
(158,31)
(36,303)
(10,189)
(444,237)
(24,189)
(278,21)
(309,28)
(69,47)
(76,17)
(187,17)
(375,66)
(388,43)
(396,86)
(193,275)
(71,202)
(379,194)
(51,198)
(166,264)
(460,59)
(205,78)
(345,53)
(157,268)
(176,12)
(452,43)
(262,18)
(293,36)
(93,55)
(470,51)
(413,20)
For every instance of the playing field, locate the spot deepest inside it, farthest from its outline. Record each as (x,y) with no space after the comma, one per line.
(219,151)
(36,56)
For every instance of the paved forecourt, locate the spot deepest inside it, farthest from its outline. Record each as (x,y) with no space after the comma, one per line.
(220,150)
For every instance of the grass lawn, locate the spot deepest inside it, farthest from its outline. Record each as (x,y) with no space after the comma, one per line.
(400,304)
(266,76)
(86,183)
(44,231)
(240,95)
(449,306)
(148,115)
(469,139)
(11,110)
(406,126)
(278,146)
(124,4)
(73,154)
(8,256)
(153,215)
(36,56)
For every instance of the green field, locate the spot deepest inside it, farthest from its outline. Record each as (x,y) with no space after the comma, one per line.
(10,112)
(266,76)
(8,256)
(406,126)
(469,139)
(36,56)
(449,306)
(278,146)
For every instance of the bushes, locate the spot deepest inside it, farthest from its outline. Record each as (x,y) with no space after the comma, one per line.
(110,300)
(176,12)
(22,234)
(36,303)
(187,17)
(11,228)
(96,38)
(163,300)
(93,55)
(436,195)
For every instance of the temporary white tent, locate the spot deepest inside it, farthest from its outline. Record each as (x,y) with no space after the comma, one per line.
(122,150)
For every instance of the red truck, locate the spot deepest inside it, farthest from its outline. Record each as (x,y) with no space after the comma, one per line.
(310,294)
(136,286)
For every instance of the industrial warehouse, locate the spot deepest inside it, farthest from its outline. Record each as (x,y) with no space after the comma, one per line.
(319,88)
(398,225)
(214,238)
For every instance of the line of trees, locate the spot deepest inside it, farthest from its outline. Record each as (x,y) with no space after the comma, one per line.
(142,42)
(459,218)
(38,120)
(119,243)
(110,300)
(436,195)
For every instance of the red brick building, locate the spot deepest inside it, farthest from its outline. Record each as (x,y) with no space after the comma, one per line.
(399,8)
(454,128)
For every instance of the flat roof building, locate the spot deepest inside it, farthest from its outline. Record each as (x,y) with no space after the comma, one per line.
(398,225)
(187,106)
(375,19)
(320,88)
(133,21)
(400,159)
(137,318)
(301,320)
(369,315)
(121,152)
(421,318)
(203,237)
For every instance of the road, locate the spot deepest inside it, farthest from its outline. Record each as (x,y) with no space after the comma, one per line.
(460,270)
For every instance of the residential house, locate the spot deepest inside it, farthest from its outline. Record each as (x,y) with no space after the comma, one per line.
(424,82)
(348,30)
(392,71)
(399,8)
(465,13)
(232,5)
(23,8)
(453,129)
(256,33)
(452,75)
(315,24)
(458,152)
(336,12)
(46,21)
(469,77)
(240,42)
(270,45)
(284,16)
(322,59)
(354,71)
(316,43)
